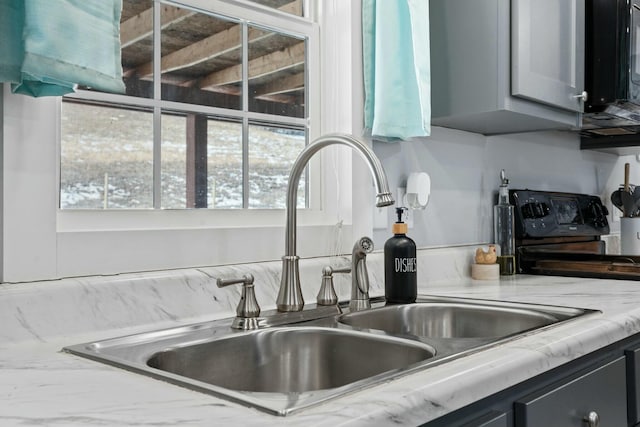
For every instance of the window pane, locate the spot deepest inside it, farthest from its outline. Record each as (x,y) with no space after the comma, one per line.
(276,73)
(106,157)
(293,7)
(272,151)
(201,151)
(201,162)
(225,164)
(201,58)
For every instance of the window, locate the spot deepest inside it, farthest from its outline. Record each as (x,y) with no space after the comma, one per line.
(42,241)
(214,114)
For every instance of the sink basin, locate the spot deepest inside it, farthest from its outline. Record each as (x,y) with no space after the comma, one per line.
(450,320)
(290,360)
(279,370)
(302,359)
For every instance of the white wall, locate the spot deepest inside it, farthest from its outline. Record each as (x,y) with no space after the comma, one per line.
(464,169)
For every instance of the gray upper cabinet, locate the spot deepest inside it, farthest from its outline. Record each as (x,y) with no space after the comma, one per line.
(505,66)
(547,51)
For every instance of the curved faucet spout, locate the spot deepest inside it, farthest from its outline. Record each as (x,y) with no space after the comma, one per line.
(290,294)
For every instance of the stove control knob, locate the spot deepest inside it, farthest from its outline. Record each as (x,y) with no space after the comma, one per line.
(597,214)
(535,210)
(527,211)
(541,210)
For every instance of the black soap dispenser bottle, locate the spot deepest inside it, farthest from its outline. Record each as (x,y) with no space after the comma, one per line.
(400,265)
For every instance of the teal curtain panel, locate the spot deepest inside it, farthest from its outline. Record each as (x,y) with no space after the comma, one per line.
(396,67)
(48,47)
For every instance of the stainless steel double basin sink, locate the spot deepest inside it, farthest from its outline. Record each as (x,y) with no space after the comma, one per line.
(285,368)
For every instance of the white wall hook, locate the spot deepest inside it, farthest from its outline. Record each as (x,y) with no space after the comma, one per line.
(418,190)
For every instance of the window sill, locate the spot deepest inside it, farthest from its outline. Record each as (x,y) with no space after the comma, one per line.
(95,252)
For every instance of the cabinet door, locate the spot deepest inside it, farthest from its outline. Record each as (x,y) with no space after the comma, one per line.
(547,51)
(602,391)
(492,419)
(633,385)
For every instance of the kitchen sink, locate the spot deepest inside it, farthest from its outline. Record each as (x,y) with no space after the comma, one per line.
(452,319)
(290,360)
(294,362)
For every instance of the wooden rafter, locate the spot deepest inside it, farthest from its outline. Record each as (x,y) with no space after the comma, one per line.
(282,99)
(213,46)
(262,66)
(203,50)
(285,85)
(140,26)
(275,89)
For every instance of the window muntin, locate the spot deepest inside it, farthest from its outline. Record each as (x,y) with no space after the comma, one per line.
(206,75)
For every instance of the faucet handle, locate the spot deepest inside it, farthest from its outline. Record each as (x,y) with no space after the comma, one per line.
(327,294)
(248,309)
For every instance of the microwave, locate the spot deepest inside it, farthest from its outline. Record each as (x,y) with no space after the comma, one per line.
(612,44)
(612,74)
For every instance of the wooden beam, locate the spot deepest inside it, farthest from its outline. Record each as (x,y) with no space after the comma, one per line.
(294,8)
(281,99)
(287,84)
(262,66)
(226,89)
(213,46)
(140,26)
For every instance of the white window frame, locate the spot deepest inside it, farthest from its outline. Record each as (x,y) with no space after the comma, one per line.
(40,242)
(245,13)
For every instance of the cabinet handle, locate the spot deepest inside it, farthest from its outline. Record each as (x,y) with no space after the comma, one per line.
(593,419)
(582,97)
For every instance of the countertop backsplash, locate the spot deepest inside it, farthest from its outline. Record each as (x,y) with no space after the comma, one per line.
(42,310)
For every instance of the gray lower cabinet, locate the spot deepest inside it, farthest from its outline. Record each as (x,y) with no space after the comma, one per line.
(633,385)
(492,419)
(605,384)
(601,393)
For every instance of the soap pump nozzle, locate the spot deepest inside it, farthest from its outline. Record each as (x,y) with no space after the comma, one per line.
(399,227)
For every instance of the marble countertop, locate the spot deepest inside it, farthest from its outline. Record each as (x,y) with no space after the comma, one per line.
(42,386)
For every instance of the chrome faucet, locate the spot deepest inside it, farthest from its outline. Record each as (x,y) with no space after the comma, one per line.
(290,294)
